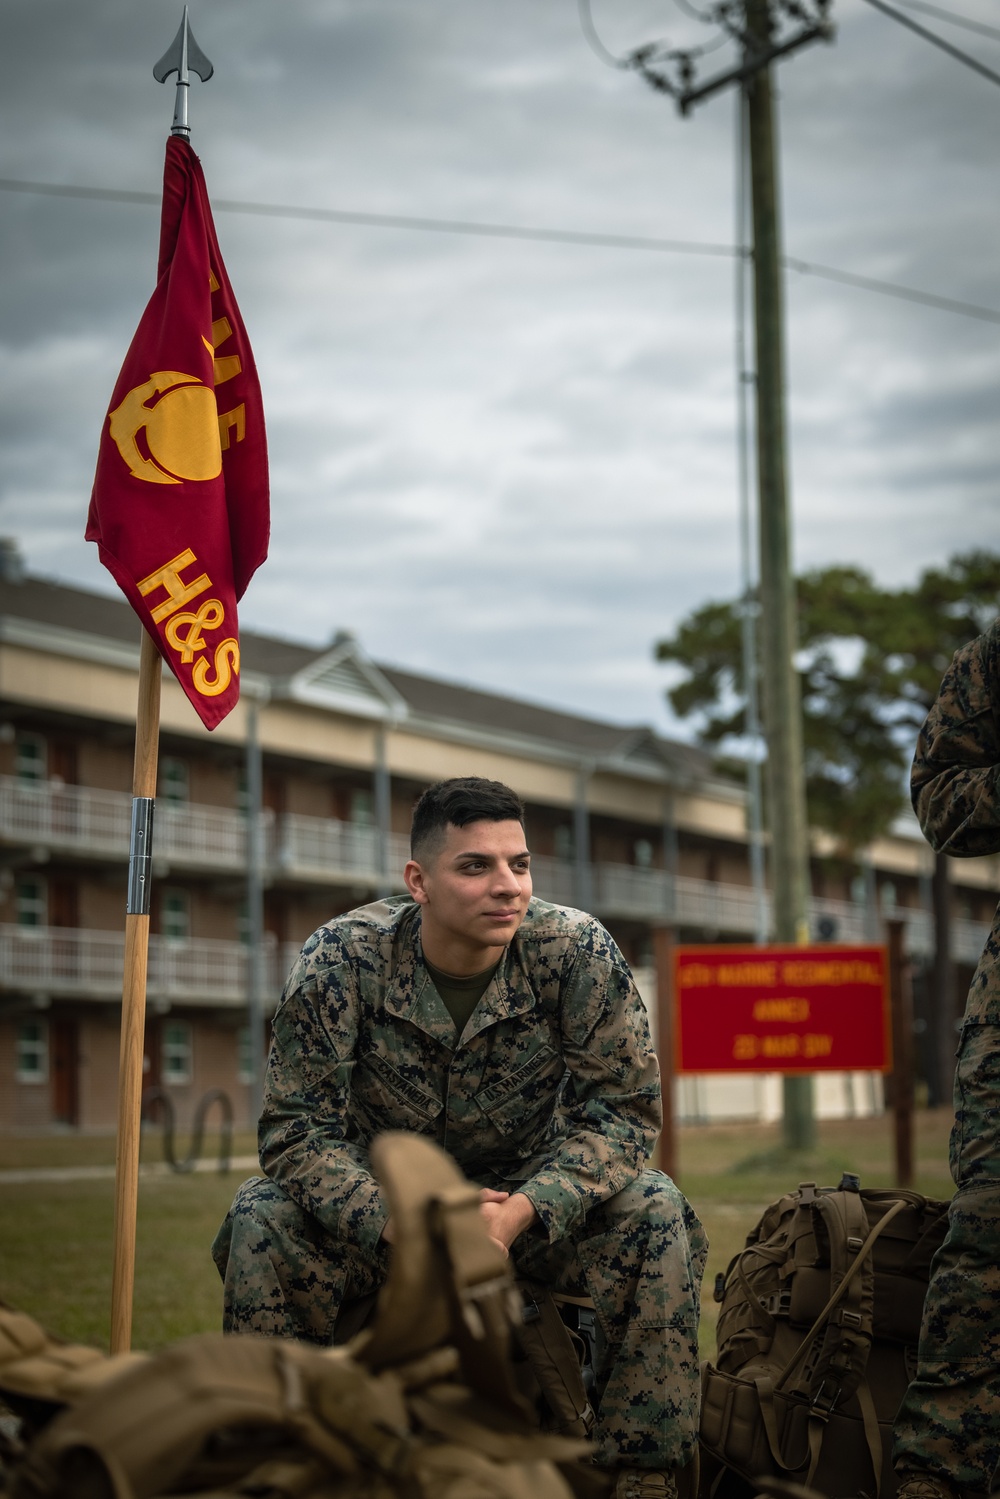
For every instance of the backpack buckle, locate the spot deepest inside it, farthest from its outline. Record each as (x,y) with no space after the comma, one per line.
(825,1400)
(777,1303)
(498,1289)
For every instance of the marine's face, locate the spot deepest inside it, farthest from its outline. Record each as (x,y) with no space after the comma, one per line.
(475,888)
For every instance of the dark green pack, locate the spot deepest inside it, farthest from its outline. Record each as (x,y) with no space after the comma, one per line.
(817,1336)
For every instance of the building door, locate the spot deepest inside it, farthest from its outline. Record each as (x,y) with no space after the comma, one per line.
(64,1059)
(64,903)
(63,761)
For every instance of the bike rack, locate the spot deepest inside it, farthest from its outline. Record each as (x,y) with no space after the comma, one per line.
(168,1118)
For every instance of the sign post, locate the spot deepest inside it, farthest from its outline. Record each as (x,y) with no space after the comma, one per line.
(663,948)
(902,1050)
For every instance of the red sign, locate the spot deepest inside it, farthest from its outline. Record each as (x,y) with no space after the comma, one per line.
(781,1009)
(180,503)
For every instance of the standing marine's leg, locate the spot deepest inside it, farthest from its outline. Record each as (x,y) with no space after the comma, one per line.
(948,1427)
(284,1275)
(640,1255)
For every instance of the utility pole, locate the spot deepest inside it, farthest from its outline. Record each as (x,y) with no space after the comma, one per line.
(756,25)
(782,705)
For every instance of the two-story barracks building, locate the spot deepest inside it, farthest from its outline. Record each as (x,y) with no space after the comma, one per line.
(636,828)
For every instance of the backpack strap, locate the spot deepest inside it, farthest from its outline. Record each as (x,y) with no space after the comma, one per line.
(831,1389)
(765,1399)
(839,1357)
(873,1435)
(548,1346)
(864,1251)
(449,1283)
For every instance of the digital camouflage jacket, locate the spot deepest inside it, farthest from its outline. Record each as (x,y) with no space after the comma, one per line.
(552,1090)
(956,785)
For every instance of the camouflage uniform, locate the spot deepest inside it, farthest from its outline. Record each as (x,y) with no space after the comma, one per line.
(949,1423)
(552,1090)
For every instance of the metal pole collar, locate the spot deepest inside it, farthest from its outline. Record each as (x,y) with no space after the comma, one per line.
(140,857)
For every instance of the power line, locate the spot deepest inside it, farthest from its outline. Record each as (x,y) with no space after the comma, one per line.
(949,15)
(594,41)
(694,13)
(389,220)
(639,58)
(632,242)
(938,41)
(891,289)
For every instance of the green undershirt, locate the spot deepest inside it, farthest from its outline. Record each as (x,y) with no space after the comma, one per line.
(461,995)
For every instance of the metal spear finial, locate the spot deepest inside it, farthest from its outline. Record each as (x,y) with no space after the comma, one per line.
(183,57)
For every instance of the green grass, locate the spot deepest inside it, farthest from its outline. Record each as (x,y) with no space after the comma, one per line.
(55,1237)
(55,1256)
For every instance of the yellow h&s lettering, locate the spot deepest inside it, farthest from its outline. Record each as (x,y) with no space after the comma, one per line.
(178,591)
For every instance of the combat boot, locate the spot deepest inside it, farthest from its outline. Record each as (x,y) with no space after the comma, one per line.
(645,1483)
(924,1486)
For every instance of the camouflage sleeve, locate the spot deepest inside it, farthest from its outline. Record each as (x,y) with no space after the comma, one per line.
(955,782)
(612,1111)
(303,1125)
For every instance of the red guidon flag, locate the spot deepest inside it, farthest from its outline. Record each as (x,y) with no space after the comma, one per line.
(180,502)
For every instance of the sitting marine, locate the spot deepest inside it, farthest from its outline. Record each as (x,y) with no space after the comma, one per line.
(510,1031)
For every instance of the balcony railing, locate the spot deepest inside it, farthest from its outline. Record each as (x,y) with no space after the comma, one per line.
(82,820)
(82,964)
(321,848)
(554,880)
(95,824)
(70,818)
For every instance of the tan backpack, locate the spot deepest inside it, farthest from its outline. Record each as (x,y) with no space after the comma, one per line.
(817,1337)
(423,1404)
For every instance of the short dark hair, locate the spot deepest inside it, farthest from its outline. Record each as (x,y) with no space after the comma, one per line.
(457,802)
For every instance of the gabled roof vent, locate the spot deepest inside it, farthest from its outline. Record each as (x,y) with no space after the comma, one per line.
(343,677)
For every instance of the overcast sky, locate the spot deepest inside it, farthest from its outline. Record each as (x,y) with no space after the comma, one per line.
(511,464)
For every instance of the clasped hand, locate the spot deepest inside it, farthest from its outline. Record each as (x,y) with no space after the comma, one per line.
(505,1214)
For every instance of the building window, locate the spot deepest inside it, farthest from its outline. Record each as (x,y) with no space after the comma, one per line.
(642,853)
(30,757)
(174,783)
(242,791)
(244,1061)
(176,1052)
(32,1051)
(175,915)
(888,896)
(562,842)
(31,901)
(363,808)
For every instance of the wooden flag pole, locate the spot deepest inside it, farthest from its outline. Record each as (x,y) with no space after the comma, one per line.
(147,731)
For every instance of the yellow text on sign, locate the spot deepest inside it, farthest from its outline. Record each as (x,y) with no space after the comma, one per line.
(749,1048)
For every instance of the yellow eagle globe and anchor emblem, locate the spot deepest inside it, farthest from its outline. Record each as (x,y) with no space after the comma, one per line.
(180,431)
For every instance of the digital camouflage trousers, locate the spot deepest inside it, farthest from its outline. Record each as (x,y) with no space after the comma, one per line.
(949,1423)
(639,1254)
